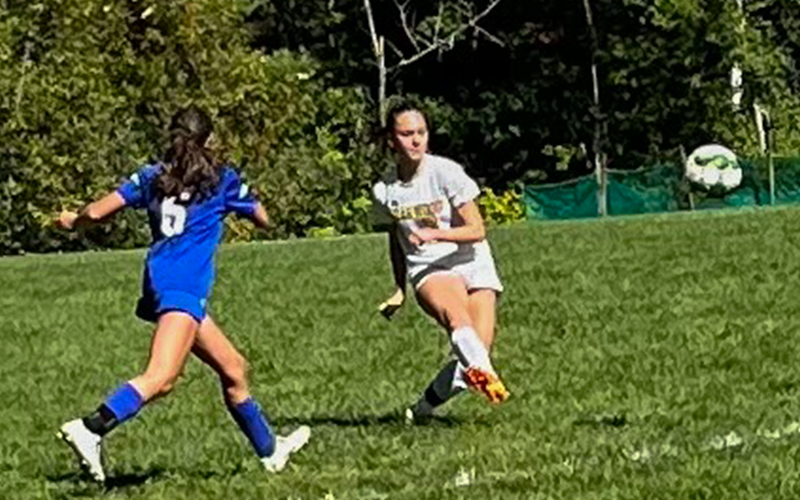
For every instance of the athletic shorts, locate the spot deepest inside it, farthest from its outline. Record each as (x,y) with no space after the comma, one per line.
(476,268)
(153,304)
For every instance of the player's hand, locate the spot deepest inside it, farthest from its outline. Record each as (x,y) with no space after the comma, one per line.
(66,220)
(423,235)
(392,304)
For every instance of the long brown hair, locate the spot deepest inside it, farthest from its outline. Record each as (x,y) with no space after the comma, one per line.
(190,168)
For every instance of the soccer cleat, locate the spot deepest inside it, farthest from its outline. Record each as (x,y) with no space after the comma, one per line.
(285,446)
(486,383)
(420,413)
(87,445)
(410,417)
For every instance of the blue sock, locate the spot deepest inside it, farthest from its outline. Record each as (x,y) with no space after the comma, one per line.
(125,402)
(254,425)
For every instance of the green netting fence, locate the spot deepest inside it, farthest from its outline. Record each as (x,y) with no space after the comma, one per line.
(661,188)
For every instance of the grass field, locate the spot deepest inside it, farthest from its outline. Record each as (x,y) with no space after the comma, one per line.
(648,357)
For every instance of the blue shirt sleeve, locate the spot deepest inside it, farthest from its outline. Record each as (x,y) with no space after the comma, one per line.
(134,189)
(238,197)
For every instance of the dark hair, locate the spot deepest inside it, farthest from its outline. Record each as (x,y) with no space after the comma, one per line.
(398,109)
(190,168)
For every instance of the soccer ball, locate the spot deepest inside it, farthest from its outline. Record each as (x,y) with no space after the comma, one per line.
(714,167)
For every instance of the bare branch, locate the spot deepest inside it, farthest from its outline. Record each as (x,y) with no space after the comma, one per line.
(490,36)
(375,46)
(402,10)
(395,49)
(438,22)
(449,41)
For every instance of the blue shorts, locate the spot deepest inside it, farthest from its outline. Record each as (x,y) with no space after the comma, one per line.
(153,304)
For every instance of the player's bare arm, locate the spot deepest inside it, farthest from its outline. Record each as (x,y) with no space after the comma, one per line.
(93,212)
(472,231)
(393,303)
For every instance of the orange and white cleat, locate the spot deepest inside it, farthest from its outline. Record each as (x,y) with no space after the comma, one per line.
(487,383)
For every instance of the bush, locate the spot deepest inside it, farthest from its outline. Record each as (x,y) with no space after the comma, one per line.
(503,209)
(89,87)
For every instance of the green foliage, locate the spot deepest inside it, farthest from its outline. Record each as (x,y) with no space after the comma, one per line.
(664,71)
(503,209)
(89,88)
(665,369)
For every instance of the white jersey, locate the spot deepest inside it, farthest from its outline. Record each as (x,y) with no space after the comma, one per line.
(429,199)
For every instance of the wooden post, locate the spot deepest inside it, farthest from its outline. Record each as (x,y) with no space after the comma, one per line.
(599,162)
(771,178)
(378,47)
(382,82)
(683,165)
(763,127)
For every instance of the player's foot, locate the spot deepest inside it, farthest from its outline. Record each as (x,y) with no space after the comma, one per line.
(87,445)
(421,412)
(487,383)
(410,418)
(285,446)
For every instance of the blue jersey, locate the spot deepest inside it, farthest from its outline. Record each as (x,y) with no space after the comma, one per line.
(185,237)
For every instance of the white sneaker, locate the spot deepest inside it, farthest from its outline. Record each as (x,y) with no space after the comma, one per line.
(285,446)
(87,445)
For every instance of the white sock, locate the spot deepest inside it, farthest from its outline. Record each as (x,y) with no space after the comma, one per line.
(469,349)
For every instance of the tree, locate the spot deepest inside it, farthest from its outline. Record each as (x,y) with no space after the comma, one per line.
(89,87)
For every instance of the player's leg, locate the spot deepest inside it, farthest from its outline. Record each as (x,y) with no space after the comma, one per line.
(482,309)
(169,348)
(482,305)
(171,345)
(444,297)
(217,351)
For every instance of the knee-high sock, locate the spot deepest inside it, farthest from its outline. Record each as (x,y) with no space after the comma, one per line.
(254,424)
(469,349)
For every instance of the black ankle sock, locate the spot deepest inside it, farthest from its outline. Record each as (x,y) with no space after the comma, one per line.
(432,398)
(101,422)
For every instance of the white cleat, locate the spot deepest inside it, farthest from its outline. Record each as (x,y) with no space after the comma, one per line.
(87,445)
(420,413)
(285,446)
(410,417)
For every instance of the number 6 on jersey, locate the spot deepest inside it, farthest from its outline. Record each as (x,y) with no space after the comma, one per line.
(173,217)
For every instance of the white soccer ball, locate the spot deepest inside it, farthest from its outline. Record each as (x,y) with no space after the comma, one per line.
(714,166)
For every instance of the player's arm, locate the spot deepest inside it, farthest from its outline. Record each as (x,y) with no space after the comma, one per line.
(93,212)
(472,231)
(398,259)
(260,217)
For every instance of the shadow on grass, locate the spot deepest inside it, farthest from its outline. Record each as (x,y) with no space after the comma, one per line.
(112,481)
(611,420)
(387,420)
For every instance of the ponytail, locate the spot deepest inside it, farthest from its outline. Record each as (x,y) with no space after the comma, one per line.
(190,168)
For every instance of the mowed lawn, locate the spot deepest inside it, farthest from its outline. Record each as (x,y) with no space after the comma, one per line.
(648,357)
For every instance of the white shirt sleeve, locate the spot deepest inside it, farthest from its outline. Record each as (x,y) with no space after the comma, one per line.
(458,186)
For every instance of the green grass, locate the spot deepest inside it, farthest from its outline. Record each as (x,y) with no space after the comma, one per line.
(633,348)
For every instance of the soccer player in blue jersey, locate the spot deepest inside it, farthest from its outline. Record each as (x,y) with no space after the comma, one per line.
(186,197)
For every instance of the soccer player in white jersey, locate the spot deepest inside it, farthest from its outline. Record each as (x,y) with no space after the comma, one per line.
(437,242)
